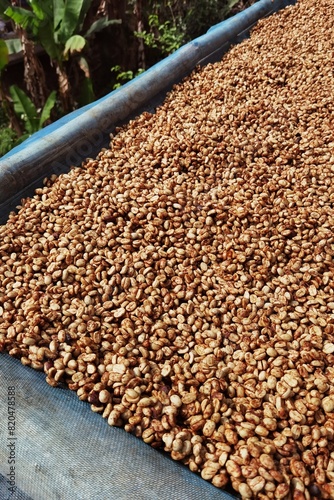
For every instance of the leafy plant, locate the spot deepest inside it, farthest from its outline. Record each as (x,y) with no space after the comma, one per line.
(14,45)
(124,76)
(8,137)
(8,117)
(200,16)
(165,36)
(32,118)
(4,55)
(58,26)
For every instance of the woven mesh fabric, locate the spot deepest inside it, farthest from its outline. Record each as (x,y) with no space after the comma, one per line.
(64,451)
(6,494)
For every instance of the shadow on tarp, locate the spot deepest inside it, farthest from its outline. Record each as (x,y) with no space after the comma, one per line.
(64,451)
(82,133)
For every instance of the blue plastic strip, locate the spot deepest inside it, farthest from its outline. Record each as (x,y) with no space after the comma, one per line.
(84,132)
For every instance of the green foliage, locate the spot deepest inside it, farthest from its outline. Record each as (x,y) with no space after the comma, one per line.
(8,139)
(68,18)
(23,106)
(165,36)
(45,114)
(23,17)
(56,24)
(86,95)
(74,44)
(3,55)
(201,15)
(124,76)
(25,109)
(173,23)
(38,23)
(100,24)
(14,45)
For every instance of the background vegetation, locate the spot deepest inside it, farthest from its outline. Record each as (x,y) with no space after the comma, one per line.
(57,55)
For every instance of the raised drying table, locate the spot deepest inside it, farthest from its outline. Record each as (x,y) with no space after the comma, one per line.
(52,460)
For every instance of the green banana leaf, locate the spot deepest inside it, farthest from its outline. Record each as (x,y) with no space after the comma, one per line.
(58,14)
(100,24)
(14,45)
(70,10)
(86,89)
(84,9)
(48,106)
(4,57)
(48,42)
(24,108)
(74,44)
(37,9)
(24,18)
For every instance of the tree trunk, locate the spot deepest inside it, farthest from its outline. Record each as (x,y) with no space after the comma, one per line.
(34,75)
(65,91)
(140,27)
(113,9)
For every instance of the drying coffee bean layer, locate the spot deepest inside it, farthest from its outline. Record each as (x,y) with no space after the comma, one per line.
(182,282)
